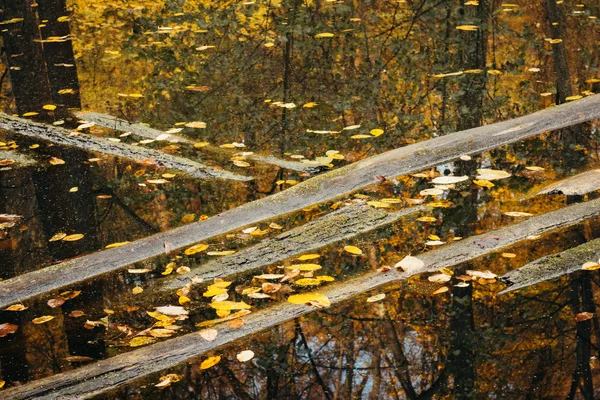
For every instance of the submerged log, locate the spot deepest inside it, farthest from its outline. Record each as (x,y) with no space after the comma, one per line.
(95,144)
(342,224)
(579,184)
(118,124)
(327,186)
(106,375)
(552,266)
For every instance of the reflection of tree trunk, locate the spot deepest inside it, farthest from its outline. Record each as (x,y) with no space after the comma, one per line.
(461,357)
(556,20)
(28,74)
(582,376)
(65,211)
(60,60)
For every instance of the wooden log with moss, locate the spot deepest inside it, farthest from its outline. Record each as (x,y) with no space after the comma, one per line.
(341,224)
(114,123)
(106,375)
(90,143)
(578,185)
(552,266)
(321,188)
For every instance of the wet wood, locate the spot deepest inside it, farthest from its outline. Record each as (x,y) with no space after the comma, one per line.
(95,144)
(552,266)
(324,187)
(118,124)
(342,224)
(105,375)
(580,184)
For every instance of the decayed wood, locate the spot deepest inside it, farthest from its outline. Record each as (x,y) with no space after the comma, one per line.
(342,224)
(118,124)
(579,184)
(95,144)
(327,186)
(106,375)
(552,266)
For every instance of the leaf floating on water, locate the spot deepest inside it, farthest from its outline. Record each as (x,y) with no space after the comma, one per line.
(376,132)
(376,298)
(351,127)
(196,125)
(310,298)
(74,189)
(210,362)
(157,181)
(439,278)
(353,250)
(361,136)
(200,145)
(325,278)
(141,341)
(269,276)
(492,174)
(162,333)
(245,355)
(305,267)
(209,334)
(273,225)
(534,168)
(443,289)
(6,163)
(508,255)
(467,27)
(230,305)
(118,244)
(196,249)
(79,359)
(308,282)
(427,219)
(42,320)
(56,302)
(56,161)
(324,35)
(308,257)
(221,253)
(7,328)
(571,98)
(57,237)
(137,290)
(518,214)
(172,310)
(410,264)
(590,266)
(449,180)
(482,274)
(431,192)
(73,238)
(138,270)
(379,204)
(584,316)
(483,183)
(16,307)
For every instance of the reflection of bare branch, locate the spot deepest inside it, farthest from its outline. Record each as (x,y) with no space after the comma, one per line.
(318,376)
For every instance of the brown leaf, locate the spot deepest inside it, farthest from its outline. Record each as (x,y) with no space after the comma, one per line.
(7,328)
(79,359)
(56,302)
(584,316)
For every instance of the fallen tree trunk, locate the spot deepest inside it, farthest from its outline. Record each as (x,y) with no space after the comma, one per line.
(118,124)
(580,184)
(552,266)
(341,224)
(95,144)
(327,186)
(106,375)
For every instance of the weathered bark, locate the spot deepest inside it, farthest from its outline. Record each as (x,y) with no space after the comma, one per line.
(341,224)
(28,73)
(580,184)
(320,188)
(552,266)
(118,124)
(105,375)
(100,145)
(58,52)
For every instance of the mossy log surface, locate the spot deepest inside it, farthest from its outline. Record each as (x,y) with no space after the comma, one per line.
(324,187)
(341,224)
(579,184)
(106,375)
(552,266)
(118,124)
(95,144)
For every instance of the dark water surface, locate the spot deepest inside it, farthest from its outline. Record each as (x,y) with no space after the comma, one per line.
(284,78)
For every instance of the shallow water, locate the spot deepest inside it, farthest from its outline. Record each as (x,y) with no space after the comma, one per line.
(296,81)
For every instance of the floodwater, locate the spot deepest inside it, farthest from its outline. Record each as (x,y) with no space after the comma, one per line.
(316,85)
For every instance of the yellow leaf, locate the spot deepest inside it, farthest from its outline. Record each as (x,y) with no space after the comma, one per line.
(159,316)
(56,161)
(214,291)
(118,244)
(305,267)
(74,237)
(571,98)
(308,282)
(57,237)
(588,266)
(16,307)
(376,132)
(361,136)
(141,341)
(305,298)
(447,271)
(49,107)
(187,218)
(308,257)
(200,145)
(378,204)
(377,297)
(168,176)
(509,255)
(230,305)
(353,250)
(324,35)
(221,253)
(426,219)
(196,249)
(210,362)
(483,183)
(137,290)
(184,299)
(43,319)
(440,290)
(467,27)
(30,114)
(325,278)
